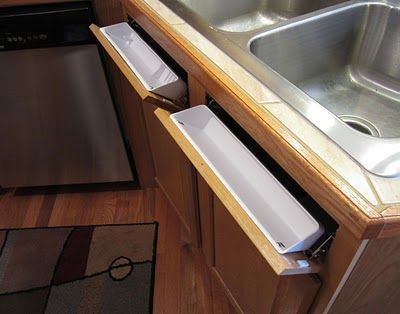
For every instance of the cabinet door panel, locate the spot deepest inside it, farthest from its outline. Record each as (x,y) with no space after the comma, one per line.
(249,278)
(174,173)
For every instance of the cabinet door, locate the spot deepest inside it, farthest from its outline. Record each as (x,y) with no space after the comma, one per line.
(251,283)
(174,173)
(241,267)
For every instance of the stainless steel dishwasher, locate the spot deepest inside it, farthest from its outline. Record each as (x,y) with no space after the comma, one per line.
(57,120)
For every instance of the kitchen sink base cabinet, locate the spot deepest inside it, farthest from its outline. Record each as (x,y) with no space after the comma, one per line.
(358,274)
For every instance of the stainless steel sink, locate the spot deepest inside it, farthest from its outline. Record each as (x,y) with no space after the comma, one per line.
(247,15)
(338,66)
(348,61)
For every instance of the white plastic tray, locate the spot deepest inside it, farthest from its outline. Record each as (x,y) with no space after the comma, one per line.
(151,70)
(283,220)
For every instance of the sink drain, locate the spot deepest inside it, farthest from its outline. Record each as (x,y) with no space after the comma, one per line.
(361,125)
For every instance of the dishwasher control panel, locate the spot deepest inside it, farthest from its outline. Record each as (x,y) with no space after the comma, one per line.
(42,26)
(14,40)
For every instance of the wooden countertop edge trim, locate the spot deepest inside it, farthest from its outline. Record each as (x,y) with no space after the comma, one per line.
(392,211)
(391,215)
(367,227)
(281,264)
(391,227)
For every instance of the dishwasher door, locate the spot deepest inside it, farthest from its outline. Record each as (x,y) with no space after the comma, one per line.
(57,120)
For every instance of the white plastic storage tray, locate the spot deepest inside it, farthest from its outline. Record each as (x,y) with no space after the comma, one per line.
(151,70)
(283,220)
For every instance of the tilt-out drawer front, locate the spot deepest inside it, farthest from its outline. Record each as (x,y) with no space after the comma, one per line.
(282,264)
(152,71)
(148,74)
(281,218)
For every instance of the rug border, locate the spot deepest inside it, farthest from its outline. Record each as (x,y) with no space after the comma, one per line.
(4,241)
(153,268)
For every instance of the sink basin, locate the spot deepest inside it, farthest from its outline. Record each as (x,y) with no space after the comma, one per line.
(338,66)
(247,15)
(348,61)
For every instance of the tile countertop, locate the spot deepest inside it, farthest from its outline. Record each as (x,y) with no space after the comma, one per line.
(376,197)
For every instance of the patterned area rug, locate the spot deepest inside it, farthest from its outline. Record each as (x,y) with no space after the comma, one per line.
(88,269)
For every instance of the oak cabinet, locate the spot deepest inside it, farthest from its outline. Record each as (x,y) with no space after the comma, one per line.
(255,277)
(257,280)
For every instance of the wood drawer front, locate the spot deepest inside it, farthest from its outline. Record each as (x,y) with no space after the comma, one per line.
(144,94)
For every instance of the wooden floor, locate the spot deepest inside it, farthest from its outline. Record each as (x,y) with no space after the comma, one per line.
(183,282)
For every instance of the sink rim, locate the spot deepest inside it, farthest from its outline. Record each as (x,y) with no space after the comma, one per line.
(379,156)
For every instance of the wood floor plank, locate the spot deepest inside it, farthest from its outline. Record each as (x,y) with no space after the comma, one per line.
(219,301)
(129,207)
(196,290)
(45,210)
(189,301)
(169,261)
(15,208)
